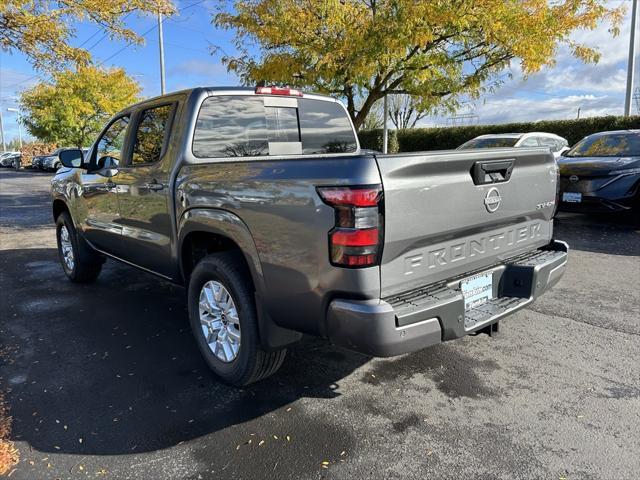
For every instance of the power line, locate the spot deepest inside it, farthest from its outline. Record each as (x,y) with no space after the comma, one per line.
(149,31)
(105,34)
(88,39)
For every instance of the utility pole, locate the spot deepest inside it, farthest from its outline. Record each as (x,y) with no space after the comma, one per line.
(19,126)
(578,117)
(161,42)
(631,62)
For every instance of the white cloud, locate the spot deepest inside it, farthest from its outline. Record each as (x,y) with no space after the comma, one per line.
(612,49)
(556,92)
(507,110)
(593,79)
(555,108)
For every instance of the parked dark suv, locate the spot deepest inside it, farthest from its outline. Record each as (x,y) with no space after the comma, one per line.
(601,173)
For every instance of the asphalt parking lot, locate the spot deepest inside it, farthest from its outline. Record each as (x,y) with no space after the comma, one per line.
(105,380)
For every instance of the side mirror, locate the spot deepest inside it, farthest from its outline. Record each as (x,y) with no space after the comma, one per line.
(107,166)
(72,158)
(564,150)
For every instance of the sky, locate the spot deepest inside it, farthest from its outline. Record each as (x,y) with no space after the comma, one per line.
(553,93)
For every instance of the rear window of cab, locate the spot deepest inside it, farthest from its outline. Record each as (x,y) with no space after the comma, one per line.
(250,126)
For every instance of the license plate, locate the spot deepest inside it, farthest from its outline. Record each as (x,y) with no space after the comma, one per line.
(477,290)
(572,197)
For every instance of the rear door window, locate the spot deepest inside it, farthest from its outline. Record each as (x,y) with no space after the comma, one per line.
(151,135)
(249,126)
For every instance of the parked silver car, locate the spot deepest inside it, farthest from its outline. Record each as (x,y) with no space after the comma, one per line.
(8,159)
(557,144)
(51,162)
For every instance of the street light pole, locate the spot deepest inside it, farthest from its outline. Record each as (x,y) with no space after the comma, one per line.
(19,124)
(161,42)
(631,62)
(4,145)
(385,129)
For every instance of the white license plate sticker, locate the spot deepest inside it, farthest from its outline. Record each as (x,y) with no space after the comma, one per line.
(477,290)
(572,197)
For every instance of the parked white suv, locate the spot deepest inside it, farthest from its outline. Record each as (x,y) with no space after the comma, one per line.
(557,144)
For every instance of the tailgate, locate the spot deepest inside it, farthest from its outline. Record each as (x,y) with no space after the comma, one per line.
(442,221)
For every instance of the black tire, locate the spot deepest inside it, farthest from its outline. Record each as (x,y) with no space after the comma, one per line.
(252,363)
(87,263)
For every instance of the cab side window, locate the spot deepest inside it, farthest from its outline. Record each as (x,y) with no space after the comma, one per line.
(151,134)
(109,149)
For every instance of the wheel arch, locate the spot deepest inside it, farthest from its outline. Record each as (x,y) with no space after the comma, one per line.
(203,231)
(212,231)
(58,207)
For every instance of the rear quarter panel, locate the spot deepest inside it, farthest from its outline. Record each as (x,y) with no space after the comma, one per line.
(278,203)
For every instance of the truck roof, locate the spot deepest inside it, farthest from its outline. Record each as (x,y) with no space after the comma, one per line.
(202,89)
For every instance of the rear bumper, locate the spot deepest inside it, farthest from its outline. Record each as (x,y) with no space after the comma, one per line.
(598,205)
(435,313)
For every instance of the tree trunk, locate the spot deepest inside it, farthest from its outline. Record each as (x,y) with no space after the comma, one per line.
(359,117)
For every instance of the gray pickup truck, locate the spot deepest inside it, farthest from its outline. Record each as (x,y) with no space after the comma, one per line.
(262,204)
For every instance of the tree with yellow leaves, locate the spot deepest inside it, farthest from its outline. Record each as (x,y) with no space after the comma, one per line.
(72,108)
(40,29)
(436,51)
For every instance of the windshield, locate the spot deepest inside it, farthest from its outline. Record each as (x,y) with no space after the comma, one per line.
(608,145)
(489,142)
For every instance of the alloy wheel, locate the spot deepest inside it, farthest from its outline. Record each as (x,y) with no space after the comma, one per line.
(67,248)
(219,321)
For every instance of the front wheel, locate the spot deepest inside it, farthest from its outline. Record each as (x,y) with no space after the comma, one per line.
(79,262)
(223,318)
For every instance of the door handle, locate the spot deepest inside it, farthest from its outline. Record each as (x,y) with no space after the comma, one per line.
(154,186)
(105,187)
(492,171)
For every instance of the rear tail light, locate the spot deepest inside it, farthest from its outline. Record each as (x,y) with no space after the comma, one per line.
(292,92)
(356,239)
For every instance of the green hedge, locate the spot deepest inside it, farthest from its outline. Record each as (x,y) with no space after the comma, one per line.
(373,139)
(419,139)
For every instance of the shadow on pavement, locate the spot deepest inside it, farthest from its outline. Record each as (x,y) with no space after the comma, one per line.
(599,233)
(112,368)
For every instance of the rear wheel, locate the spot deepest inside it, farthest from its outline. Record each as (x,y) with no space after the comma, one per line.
(79,262)
(223,318)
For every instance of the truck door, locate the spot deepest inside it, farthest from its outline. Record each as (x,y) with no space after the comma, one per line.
(99,212)
(144,194)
